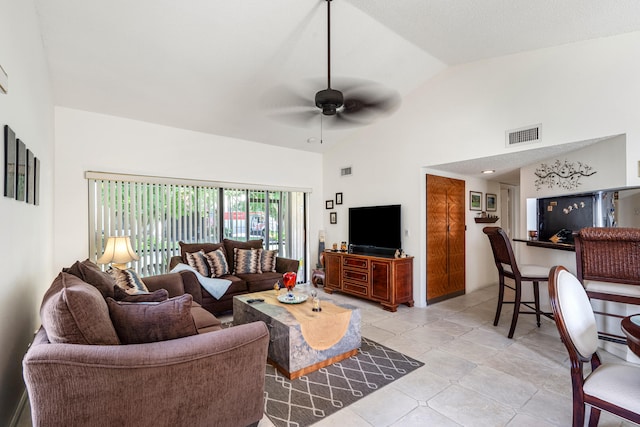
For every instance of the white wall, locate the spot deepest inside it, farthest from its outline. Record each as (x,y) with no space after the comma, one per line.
(25,230)
(96,142)
(577,92)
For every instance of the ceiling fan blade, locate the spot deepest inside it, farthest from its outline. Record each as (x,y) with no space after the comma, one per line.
(370,104)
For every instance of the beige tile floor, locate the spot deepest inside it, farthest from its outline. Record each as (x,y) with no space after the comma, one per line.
(473,374)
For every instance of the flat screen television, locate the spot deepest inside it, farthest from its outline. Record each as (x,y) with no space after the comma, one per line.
(375,227)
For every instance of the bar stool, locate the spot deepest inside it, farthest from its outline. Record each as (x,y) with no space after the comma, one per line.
(507,267)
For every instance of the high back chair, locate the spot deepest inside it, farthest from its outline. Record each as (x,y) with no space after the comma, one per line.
(507,267)
(608,266)
(614,388)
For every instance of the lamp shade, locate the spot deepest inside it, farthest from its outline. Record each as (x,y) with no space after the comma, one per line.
(118,252)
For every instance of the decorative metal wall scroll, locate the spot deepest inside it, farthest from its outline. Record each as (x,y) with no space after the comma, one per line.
(561,174)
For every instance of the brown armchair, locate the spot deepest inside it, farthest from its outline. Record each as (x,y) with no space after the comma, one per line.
(78,372)
(211,379)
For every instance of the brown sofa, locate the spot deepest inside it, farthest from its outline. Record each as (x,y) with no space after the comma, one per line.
(240,283)
(77,373)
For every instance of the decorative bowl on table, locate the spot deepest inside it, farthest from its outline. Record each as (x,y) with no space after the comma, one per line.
(292,299)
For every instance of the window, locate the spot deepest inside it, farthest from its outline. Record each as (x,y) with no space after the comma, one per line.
(160,212)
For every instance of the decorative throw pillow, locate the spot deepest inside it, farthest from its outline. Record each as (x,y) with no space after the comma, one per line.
(268,261)
(119,294)
(231,245)
(247,261)
(138,323)
(186,248)
(129,281)
(91,273)
(74,312)
(217,263)
(199,261)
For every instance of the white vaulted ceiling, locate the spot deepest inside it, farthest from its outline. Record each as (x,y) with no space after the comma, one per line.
(225,67)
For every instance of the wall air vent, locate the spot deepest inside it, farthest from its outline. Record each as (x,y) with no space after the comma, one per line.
(525,135)
(345,171)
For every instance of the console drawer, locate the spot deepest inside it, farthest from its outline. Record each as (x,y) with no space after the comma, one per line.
(356,262)
(356,275)
(355,288)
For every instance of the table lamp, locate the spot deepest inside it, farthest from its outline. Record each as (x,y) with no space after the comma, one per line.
(118,252)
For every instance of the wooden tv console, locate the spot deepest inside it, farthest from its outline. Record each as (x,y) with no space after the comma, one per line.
(386,280)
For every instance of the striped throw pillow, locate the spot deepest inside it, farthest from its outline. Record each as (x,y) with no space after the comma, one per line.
(247,261)
(217,262)
(129,281)
(200,262)
(268,261)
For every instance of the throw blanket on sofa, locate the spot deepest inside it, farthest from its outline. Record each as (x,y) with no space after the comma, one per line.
(215,286)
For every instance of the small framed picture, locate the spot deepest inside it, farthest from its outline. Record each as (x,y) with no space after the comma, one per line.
(475,200)
(10,160)
(338,198)
(328,204)
(21,171)
(333,218)
(31,178)
(492,202)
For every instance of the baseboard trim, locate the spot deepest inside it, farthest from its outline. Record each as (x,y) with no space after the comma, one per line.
(18,411)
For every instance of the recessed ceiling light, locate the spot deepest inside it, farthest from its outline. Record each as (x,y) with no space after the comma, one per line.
(489,171)
(312,140)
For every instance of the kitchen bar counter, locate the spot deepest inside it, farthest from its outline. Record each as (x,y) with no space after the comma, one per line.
(548,245)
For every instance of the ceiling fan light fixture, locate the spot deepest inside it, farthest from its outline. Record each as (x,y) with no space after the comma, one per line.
(329,100)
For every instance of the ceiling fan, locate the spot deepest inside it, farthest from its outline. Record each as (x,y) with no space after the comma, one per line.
(359,102)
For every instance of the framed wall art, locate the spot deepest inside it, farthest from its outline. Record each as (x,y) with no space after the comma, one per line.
(338,198)
(10,158)
(333,218)
(37,182)
(328,204)
(21,171)
(491,202)
(475,200)
(31,178)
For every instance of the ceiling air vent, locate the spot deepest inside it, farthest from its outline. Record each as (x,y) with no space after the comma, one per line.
(526,135)
(345,171)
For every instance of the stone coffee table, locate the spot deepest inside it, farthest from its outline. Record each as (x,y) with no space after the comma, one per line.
(302,340)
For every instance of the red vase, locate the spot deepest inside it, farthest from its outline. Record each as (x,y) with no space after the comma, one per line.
(289,279)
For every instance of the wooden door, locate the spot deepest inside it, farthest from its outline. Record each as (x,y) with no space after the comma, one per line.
(445,238)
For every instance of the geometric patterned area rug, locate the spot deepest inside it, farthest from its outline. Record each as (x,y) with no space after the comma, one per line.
(310,398)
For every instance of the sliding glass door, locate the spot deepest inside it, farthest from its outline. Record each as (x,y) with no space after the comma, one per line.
(158,214)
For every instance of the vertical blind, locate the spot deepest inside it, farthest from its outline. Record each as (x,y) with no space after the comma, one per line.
(157,214)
